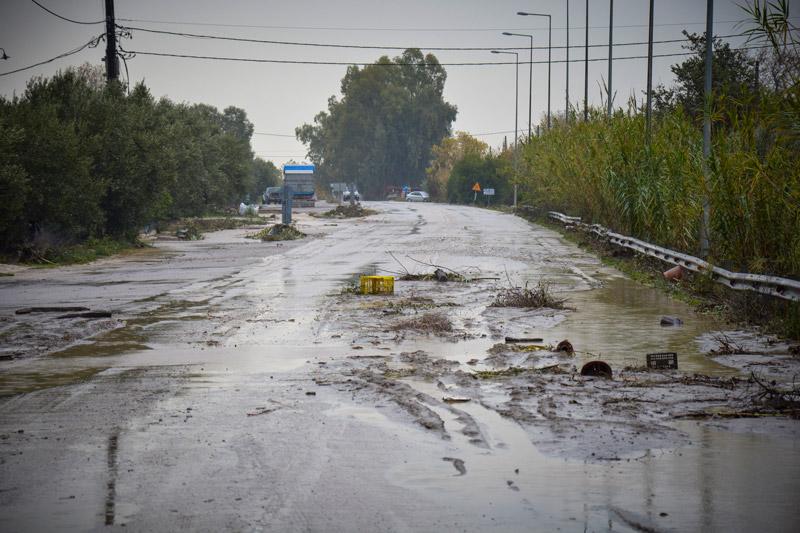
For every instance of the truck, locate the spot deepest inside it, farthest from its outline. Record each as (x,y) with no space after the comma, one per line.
(300,179)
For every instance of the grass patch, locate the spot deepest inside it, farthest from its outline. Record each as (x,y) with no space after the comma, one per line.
(532,298)
(278,232)
(429,323)
(85,252)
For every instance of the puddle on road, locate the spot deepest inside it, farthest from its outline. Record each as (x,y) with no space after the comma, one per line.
(711,485)
(620,323)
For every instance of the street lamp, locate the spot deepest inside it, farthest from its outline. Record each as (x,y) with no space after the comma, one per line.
(530,83)
(549,52)
(516,116)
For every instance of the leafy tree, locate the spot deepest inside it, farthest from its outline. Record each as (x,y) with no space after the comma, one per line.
(491,171)
(381,131)
(265,174)
(81,159)
(444,157)
(733,75)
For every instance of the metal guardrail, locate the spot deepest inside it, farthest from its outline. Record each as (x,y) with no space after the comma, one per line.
(785,288)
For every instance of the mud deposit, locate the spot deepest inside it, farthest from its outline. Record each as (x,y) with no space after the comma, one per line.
(240,386)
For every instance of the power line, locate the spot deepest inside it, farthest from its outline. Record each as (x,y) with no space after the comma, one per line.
(273,134)
(91,44)
(383,47)
(65,18)
(419,64)
(344,28)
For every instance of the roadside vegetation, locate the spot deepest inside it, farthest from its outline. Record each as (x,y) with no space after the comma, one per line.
(83,163)
(607,171)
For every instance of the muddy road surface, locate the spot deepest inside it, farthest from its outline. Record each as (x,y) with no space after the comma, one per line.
(241,385)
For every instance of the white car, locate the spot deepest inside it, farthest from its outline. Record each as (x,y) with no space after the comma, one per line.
(418,196)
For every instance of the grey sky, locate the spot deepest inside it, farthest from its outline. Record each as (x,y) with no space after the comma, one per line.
(280,97)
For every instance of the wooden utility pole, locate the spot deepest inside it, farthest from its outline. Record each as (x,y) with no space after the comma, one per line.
(649,109)
(112,66)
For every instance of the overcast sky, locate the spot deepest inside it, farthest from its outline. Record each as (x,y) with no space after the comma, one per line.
(279,97)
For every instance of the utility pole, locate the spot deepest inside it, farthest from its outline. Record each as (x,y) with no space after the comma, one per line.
(649,111)
(112,66)
(586,68)
(610,55)
(706,222)
(566,106)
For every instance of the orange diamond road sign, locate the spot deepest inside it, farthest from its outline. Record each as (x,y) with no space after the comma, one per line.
(476,187)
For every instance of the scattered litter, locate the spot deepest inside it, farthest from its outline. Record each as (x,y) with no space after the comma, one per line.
(674,273)
(662,360)
(671,321)
(458,464)
(455,399)
(88,314)
(473,361)
(262,411)
(29,310)
(512,340)
(310,393)
(596,368)
(565,346)
(376,284)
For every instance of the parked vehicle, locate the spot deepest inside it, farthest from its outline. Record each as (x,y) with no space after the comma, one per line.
(273,195)
(346,196)
(418,196)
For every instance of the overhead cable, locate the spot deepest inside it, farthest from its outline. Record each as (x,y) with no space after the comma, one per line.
(65,18)
(418,64)
(91,44)
(383,47)
(343,28)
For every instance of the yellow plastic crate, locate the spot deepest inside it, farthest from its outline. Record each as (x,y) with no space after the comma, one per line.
(377,285)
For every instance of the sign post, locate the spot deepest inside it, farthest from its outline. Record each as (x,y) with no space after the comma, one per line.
(488,193)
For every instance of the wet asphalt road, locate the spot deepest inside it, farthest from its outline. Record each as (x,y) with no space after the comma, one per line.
(205,410)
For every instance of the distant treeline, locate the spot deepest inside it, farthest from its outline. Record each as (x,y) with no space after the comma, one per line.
(80,159)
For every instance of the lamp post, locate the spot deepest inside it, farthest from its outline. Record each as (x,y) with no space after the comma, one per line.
(549,52)
(610,55)
(566,67)
(530,83)
(516,116)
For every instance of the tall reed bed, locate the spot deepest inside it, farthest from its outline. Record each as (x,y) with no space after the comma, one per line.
(604,171)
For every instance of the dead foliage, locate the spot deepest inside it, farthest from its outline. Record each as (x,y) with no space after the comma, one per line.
(439,272)
(278,232)
(727,346)
(532,298)
(436,275)
(516,370)
(770,396)
(429,323)
(349,211)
